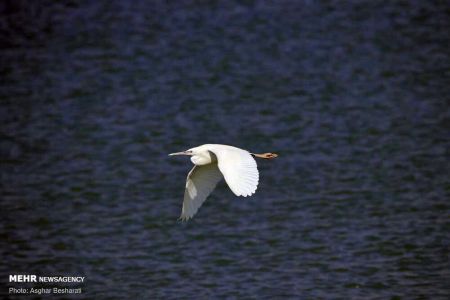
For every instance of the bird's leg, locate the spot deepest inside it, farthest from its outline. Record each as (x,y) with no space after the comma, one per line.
(265,155)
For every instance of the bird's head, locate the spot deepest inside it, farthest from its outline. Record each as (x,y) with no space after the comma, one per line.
(200,150)
(199,155)
(192,151)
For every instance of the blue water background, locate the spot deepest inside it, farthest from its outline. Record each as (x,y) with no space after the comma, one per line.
(353,96)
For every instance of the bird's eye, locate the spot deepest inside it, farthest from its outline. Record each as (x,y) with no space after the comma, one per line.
(189,151)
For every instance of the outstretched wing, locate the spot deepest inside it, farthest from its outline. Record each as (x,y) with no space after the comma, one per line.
(238,168)
(200,182)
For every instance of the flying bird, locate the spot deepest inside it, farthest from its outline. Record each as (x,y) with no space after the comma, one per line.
(212,162)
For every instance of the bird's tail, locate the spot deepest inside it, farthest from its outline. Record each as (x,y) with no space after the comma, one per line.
(265,155)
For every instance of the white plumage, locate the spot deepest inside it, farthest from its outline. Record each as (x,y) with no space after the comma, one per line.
(212,162)
(200,182)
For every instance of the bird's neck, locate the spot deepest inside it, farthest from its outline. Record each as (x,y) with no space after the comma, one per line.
(203,158)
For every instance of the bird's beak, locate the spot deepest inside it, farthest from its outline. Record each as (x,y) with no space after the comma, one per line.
(179,153)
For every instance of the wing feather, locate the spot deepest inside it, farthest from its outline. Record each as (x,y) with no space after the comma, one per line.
(238,168)
(200,182)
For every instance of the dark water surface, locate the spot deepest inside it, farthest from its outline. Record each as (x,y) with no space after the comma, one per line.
(352,95)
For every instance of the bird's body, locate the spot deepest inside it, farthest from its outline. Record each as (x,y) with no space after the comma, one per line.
(212,162)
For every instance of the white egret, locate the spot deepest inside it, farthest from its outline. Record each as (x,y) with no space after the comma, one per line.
(212,162)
